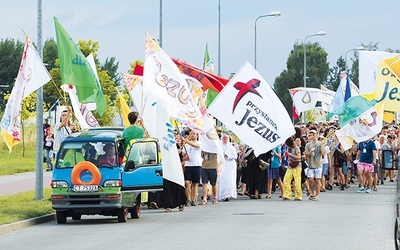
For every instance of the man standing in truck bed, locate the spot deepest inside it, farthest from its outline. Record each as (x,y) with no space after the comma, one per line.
(133,131)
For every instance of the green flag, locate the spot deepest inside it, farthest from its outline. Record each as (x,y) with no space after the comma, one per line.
(76,71)
(208,66)
(351,109)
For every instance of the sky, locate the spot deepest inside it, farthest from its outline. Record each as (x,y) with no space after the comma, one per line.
(187,25)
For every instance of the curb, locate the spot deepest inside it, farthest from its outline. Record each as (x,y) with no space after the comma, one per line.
(8,228)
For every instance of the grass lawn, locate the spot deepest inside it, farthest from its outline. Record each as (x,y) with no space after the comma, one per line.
(23,206)
(17,161)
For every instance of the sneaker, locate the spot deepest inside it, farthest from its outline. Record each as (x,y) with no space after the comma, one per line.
(375,189)
(329,187)
(193,203)
(360,190)
(368,190)
(187,203)
(342,187)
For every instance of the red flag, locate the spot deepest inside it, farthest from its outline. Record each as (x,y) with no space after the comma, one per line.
(295,113)
(208,80)
(138,70)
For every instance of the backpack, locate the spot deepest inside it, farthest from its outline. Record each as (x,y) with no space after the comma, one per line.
(339,158)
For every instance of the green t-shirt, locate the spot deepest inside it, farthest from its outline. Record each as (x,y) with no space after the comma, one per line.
(132,132)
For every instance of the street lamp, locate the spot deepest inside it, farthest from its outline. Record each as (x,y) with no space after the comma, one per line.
(319,33)
(219,37)
(274,14)
(356,49)
(160,31)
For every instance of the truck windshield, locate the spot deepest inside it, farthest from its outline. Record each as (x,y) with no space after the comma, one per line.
(99,153)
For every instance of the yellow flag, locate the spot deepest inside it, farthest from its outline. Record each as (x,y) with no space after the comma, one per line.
(388,116)
(387,87)
(124,109)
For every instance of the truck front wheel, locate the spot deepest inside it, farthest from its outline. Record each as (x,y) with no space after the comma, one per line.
(61,217)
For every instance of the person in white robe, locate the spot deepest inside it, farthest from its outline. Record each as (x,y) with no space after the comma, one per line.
(227,181)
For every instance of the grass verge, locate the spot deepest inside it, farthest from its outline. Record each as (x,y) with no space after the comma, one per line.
(22,206)
(19,160)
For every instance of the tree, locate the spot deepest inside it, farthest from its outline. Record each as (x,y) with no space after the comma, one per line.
(50,53)
(112,69)
(333,80)
(10,60)
(292,77)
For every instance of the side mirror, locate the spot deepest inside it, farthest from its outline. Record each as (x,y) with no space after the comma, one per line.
(129,165)
(388,160)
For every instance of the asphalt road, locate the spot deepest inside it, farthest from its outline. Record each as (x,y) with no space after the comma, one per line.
(339,220)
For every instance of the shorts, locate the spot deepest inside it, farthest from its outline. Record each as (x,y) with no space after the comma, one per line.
(273,173)
(325,169)
(192,173)
(209,175)
(345,168)
(314,173)
(366,167)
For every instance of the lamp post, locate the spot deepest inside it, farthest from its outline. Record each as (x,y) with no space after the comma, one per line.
(319,33)
(160,31)
(345,57)
(274,14)
(219,37)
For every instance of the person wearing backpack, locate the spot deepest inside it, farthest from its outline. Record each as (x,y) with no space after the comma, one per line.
(339,160)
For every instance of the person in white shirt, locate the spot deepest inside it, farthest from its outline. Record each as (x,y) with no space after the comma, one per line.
(192,172)
(62,129)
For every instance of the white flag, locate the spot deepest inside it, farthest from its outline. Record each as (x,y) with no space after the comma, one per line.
(144,104)
(84,116)
(171,164)
(368,66)
(36,75)
(363,127)
(306,98)
(339,98)
(250,108)
(31,75)
(164,81)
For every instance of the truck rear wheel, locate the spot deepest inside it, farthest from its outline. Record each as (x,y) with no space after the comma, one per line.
(122,214)
(76,216)
(135,211)
(61,217)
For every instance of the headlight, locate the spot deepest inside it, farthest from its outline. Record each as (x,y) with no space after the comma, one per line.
(59,184)
(112,183)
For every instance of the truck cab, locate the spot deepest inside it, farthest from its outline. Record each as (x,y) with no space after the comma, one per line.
(95,174)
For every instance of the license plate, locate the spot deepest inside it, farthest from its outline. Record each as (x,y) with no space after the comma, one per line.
(86,188)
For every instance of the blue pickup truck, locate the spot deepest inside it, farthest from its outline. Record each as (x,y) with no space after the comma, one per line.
(95,174)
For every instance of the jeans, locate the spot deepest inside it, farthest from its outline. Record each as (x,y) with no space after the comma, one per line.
(48,155)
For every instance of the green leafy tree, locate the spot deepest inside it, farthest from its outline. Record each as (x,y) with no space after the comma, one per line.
(10,60)
(292,77)
(50,53)
(111,67)
(333,80)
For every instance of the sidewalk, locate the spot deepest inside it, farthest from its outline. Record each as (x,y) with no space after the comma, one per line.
(14,184)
